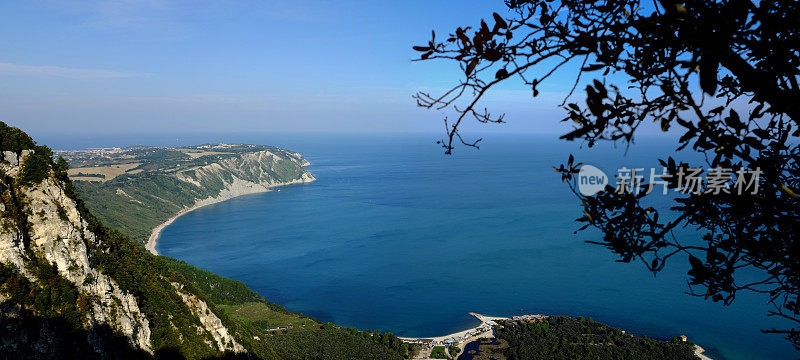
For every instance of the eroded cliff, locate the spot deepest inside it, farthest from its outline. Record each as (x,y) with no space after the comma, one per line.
(66,282)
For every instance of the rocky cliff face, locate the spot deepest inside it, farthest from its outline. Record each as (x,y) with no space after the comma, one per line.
(47,274)
(53,231)
(256,168)
(211,323)
(245,174)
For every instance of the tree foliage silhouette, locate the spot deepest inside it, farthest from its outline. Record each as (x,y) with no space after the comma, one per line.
(683,65)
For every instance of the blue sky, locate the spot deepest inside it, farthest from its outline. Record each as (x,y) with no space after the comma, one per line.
(163,65)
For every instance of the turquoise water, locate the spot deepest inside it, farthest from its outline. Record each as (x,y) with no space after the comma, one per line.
(396,236)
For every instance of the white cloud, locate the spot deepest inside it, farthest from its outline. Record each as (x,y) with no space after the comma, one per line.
(59,71)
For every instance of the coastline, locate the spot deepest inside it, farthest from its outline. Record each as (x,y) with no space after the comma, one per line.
(461,338)
(486,322)
(485,330)
(235,189)
(700,352)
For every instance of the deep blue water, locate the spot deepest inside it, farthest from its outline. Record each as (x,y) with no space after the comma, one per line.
(396,236)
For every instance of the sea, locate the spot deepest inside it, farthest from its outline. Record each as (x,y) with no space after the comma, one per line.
(394,235)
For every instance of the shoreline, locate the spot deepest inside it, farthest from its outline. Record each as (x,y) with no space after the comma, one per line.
(234,190)
(460,339)
(485,321)
(486,330)
(700,352)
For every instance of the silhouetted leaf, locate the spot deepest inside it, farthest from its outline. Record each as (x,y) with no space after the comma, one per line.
(501,74)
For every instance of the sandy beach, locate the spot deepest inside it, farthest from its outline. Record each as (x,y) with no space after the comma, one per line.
(153,240)
(486,321)
(236,189)
(461,338)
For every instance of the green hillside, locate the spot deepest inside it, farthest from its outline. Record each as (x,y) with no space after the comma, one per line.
(295,336)
(562,337)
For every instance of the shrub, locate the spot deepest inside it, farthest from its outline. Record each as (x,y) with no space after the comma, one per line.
(36,166)
(13,139)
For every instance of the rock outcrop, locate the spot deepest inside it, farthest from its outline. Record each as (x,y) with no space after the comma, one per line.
(211,322)
(55,232)
(53,293)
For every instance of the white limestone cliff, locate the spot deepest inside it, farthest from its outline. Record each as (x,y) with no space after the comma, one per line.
(58,234)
